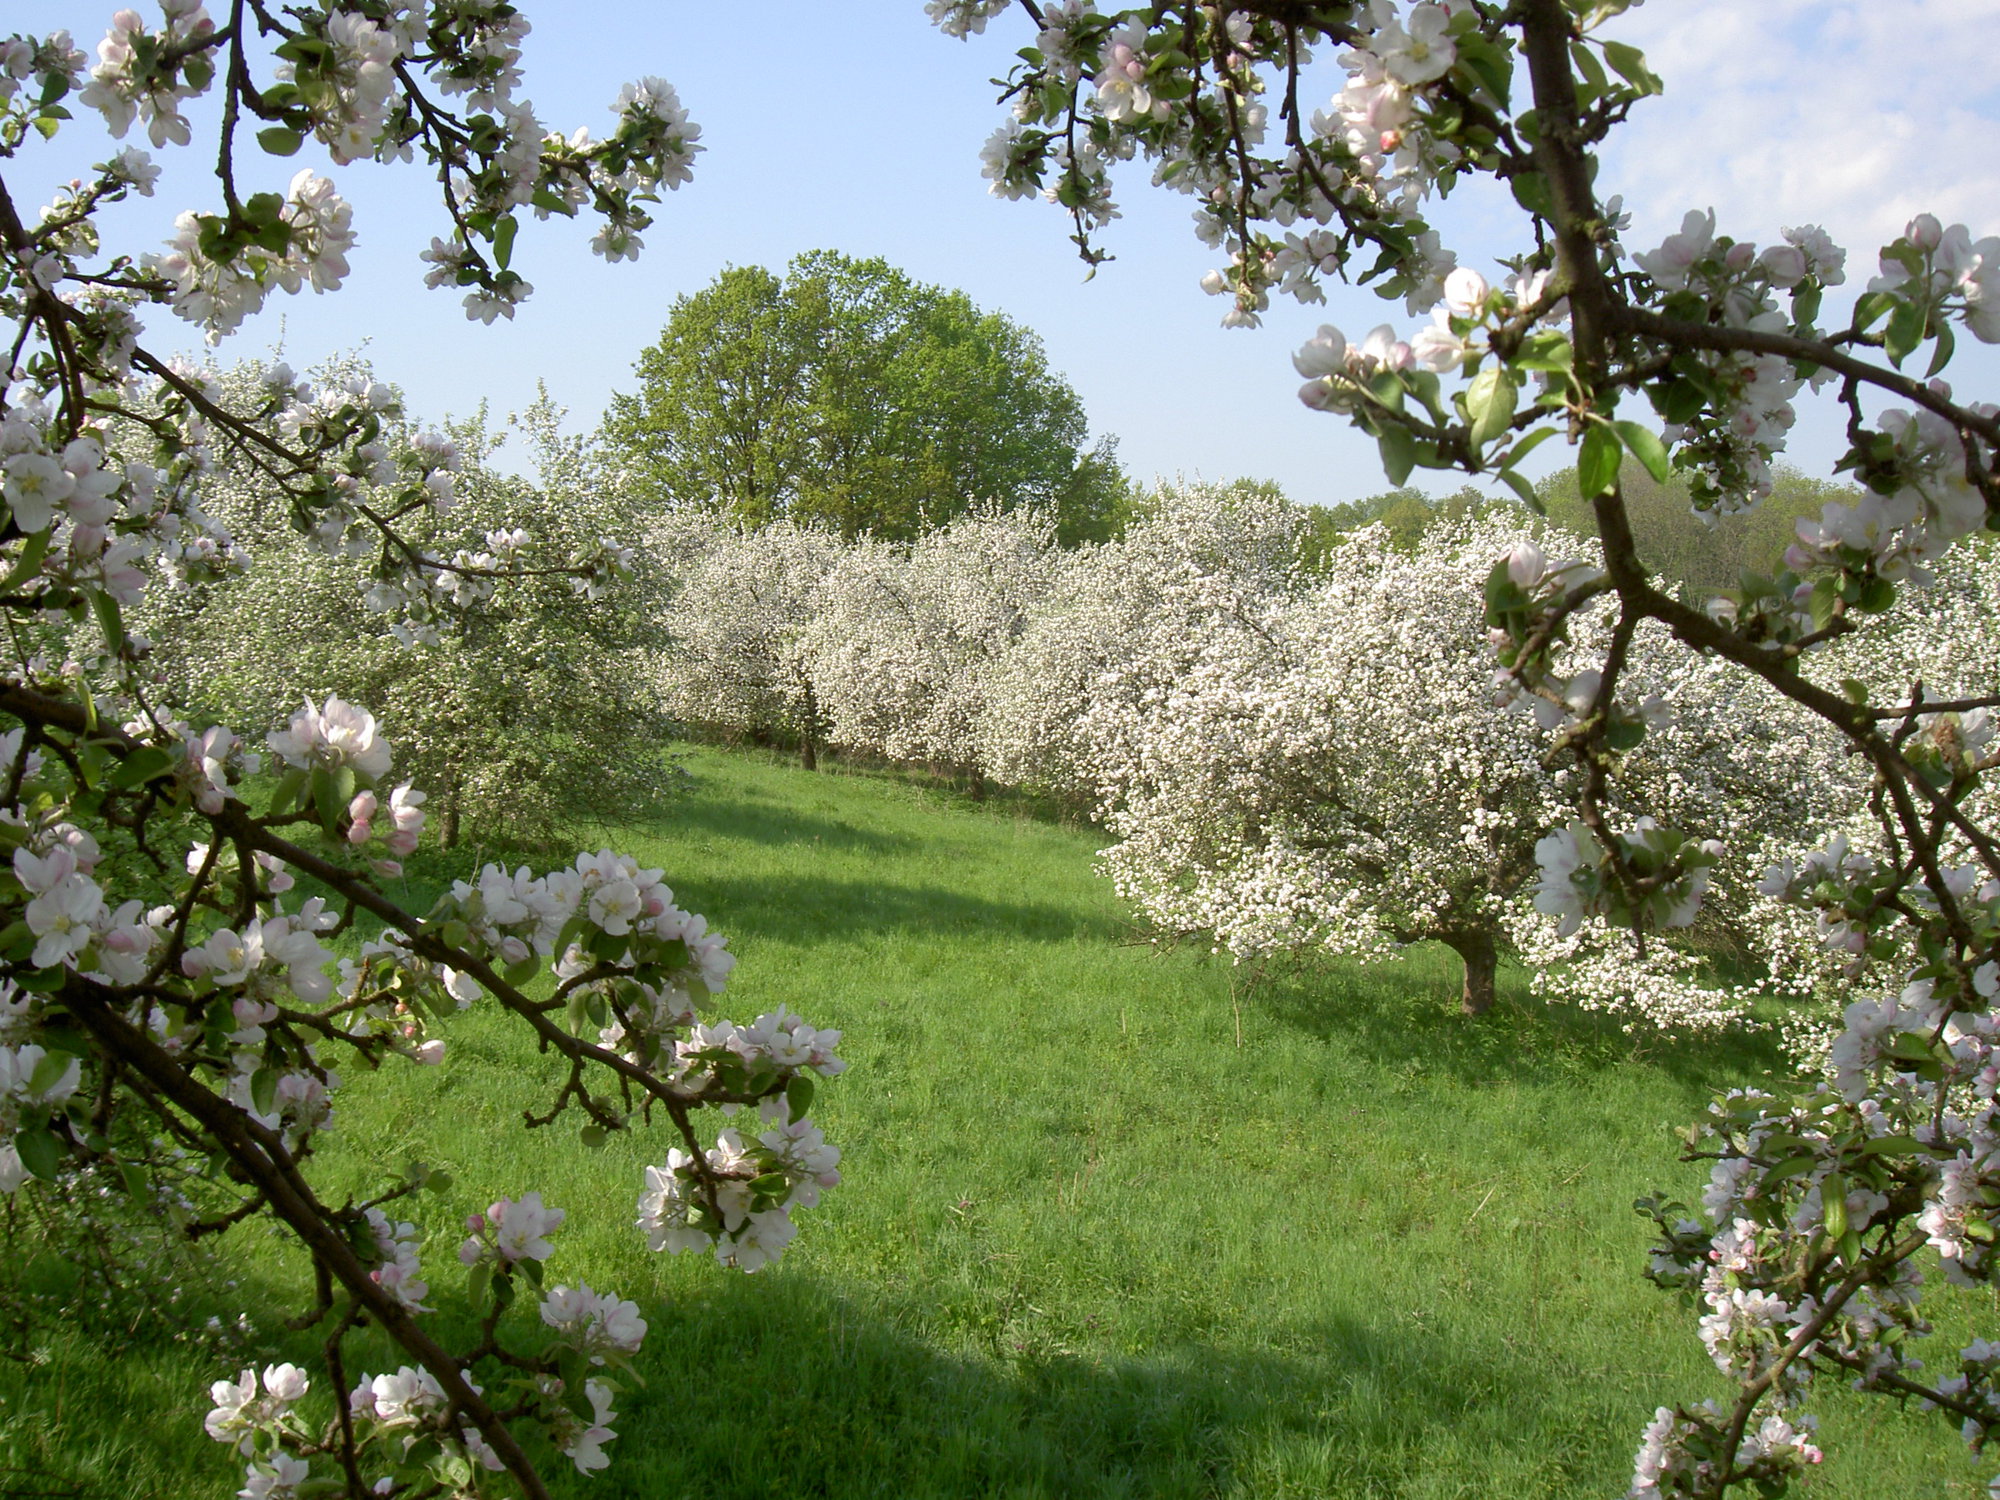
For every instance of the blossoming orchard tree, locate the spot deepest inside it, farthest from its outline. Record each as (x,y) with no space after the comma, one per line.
(903,643)
(1807,1249)
(518,708)
(1108,604)
(738,627)
(1327,768)
(171,1020)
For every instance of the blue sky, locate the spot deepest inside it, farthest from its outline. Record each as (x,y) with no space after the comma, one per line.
(858,126)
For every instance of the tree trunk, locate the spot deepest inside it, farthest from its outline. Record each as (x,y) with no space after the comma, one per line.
(451,817)
(1481,961)
(809,728)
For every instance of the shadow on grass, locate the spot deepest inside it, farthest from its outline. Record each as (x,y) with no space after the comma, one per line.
(787,1387)
(807,910)
(772,823)
(1404,1014)
(938,787)
(104,1398)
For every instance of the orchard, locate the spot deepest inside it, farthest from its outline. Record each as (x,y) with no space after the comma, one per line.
(201,942)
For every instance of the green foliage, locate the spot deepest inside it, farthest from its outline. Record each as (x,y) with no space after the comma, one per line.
(1407,512)
(529,704)
(1699,556)
(846,393)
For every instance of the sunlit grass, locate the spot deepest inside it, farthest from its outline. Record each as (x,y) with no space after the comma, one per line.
(1116,1223)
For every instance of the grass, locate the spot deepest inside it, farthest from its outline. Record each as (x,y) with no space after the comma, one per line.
(1117,1223)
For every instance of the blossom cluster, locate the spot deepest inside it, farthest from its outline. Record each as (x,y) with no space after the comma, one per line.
(406,1416)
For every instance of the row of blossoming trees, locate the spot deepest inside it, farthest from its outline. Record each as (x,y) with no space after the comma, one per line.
(172,1019)
(1302,754)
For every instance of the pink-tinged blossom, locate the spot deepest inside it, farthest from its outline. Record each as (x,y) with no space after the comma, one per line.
(512,1230)
(1465,293)
(585,1449)
(337,734)
(1671,264)
(1417,50)
(1123,94)
(594,1322)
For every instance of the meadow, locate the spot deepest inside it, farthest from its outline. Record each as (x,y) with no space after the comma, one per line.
(1117,1221)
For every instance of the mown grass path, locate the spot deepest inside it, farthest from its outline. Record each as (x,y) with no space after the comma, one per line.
(1117,1223)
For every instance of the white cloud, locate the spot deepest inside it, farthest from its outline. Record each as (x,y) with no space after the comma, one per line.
(1852,114)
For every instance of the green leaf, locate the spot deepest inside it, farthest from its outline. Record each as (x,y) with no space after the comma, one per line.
(1833,1204)
(1547,350)
(333,790)
(32,552)
(1594,76)
(1490,401)
(1487,64)
(503,241)
(1946,344)
(141,766)
(477,1281)
(799,1095)
(592,1136)
(1877,595)
(291,791)
(1597,464)
(1523,446)
(111,619)
(264,1090)
(1624,734)
(1630,64)
(1386,386)
(1796,1166)
(1399,453)
(1905,331)
(576,1388)
(41,1153)
(1893,1145)
(1520,486)
(48,1072)
(279,140)
(1531,191)
(1871,307)
(1645,445)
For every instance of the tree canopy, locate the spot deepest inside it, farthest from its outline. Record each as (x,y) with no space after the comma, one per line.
(846,393)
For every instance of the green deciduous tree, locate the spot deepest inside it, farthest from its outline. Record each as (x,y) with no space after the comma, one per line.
(848,394)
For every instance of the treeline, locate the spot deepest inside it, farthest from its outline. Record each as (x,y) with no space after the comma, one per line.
(1701,555)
